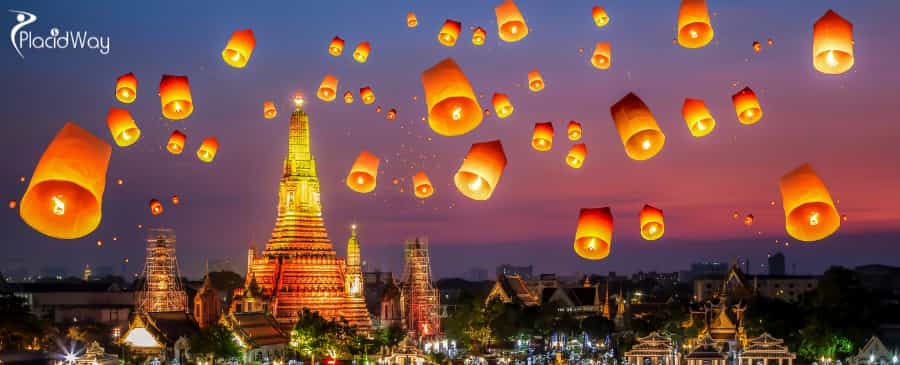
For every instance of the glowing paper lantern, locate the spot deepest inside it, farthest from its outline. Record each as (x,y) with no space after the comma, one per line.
(478,36)
(502,106)
(746,105)
(510,22)
(119,182)
(12,204)
(122,127)
(208,149)
(449,33)
(328,88)
(336,47)
(809,212)
(176,142)
(770,42)
(363,173)
(699,121)
(366,94)
(600,16)
(593,236)
(832,44)
(391,114)
(348,97)
(378,109)
(126,88)
(480,172)
(156,208)
(573,130)
(535,81)
(175,200)
(757,47)
(269,110)
(65,193)
(602,57)
(694,29)
(239,48)
(411,20)
(542,138)
(452,107)
(577,154)
(422,185)
(637,128)
(748,220)
(652,225)
(175,97)
(361,54)
(99,243)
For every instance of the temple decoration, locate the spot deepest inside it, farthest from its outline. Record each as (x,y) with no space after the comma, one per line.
(363,173)
(746,105)
(535,81)
(502,105)
(411,20)
(336,47)
(239,48)
(480,172)
(637,128)
(361,54)
(809,212)
(175,97)
(122,127)
(449,33)
(594,233)
(452,107)
(602,57)
(176,142)
(422,185)
(208,149)
(832,44)
(573,130)
(542,138)
(269,110)
(328,88)
(699,121)
(652,224)
(577,154)
(366,94)
(694,29)
(510,22)
(478,36)
(126,88)
(601,19)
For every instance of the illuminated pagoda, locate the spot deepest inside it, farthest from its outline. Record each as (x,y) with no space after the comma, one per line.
(422,298)
(653,349)
(766,349)
(162,291)
(299,268)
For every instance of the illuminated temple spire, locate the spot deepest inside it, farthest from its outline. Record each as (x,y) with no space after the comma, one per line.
(354,266)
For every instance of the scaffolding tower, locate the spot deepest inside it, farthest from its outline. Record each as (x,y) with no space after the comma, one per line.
(161,291)
(422,298)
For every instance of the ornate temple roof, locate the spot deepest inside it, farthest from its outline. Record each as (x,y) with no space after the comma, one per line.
(706,349)
(652,344)
(767,346)
(256,329)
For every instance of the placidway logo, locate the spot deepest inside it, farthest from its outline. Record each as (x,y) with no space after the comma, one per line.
(55,40)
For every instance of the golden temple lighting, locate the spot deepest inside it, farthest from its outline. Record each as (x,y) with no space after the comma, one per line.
(126,88)
(699,121)
(694,29)
(239,48)
(809,212)
(510,23)
(363,173)
(122,126)
(175,97)
(832,44)
(652,223)
(593,236)
(452,107)
(747,107)
(480,172)
(637,128)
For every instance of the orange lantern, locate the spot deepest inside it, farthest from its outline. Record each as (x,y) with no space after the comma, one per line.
(600,16)
(122,127)
(126,88)
(637,128)
(757,47)
(328,88)
(119,181)
(652,225)
(239,48)
(366,94)
(175,200)
(269,110)
(449,33)
(175,97)
(770,42)
(156,208)
(391,114)
(577,154)
(809,212)
(573,130)
(510,23)
(478,36)
(12,204)
(363,173)
(593,236)
(832,44)
(694,29)
(65,193)
(411,20)
(746,105)
(422,185)
(99,243)
(208,149)
(452,107)
(542,138)
(748,220)
(602,57)
(336,47)
(502,106)
(361,54)
(348,97)
(480,172)
(696,115)
(535,81)
(176,142)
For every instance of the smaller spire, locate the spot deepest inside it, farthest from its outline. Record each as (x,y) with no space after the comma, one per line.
(298,101)
(353,230)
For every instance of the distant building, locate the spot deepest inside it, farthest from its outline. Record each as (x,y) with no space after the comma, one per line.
(876,352)
(668,277)
(776,264)
(475,274)
(162,335)
(699,269)
(512,289)
(207,304)
(525,272)
(86,274)
(391,309)
(737,284)
(65,302)
(377,277)
(259,335)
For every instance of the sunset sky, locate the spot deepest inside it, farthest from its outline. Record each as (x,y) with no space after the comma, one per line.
(846,126)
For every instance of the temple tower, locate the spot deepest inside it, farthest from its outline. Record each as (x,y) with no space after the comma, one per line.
(161,290)
(422,298)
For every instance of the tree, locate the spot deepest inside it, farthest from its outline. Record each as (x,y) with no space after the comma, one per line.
(215,341)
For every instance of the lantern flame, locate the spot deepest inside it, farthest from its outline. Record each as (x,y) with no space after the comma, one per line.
(457,113)
(646,144)
(829,58)
(360,180)
(694,33)
(59,206)
(475,185)
(814,219)
(177,106)
(591,246)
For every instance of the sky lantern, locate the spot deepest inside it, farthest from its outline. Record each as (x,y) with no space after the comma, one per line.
(328,88)
(348,97)
(175,97)
(502,105)
(65,194)
(748,220)
(478,36)
(176,142)
(391,114)
(594,233)
(452,107)
(175,200)
(652,225)
(809,212)
(510,22)
(449,33)
(422,185)
(120,181)
(480,172)
(156,208)
(239,48)
(601,19)
(208,149)
(770,42)
(122,127)
(602,57)
(361,54)
(757,47)
(577,154)
(832,44)
(696,115)
(269,110)
(542,138)
(535,81)
(573,130)
(12,204)
(366,94)
(336,47)
(746,105)
(363,173)
(126,88)
(637,128)
(411,20)
(378,109)
(694,29)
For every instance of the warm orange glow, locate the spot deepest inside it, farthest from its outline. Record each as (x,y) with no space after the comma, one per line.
(602,57)
(637,128)
(12,204)
(502,106)
(510,22)
(452,107)
(573,130)
(577,154)
(65,192)
(175,97)
(126,88)
(746,105)
(694,29)
(298,100)
(99,243)
(363,173)
(176,142)
(378,109)
(269,110)
(542,138)
(361,54)
(348,97)
(652,224)
(480,172)
(809,212)
(449,33)
(832,44)
(535,81)
(175,200)
(328,88)
(411,20)
(593,237)
(422,185)
(239,48)
(366,94)
(748,220)
(122,126)
(478,36)
(336,47)
(120,181)
(601,19)
(391,114)
(757,47)
(208,149)
(156,208)
(696,115)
